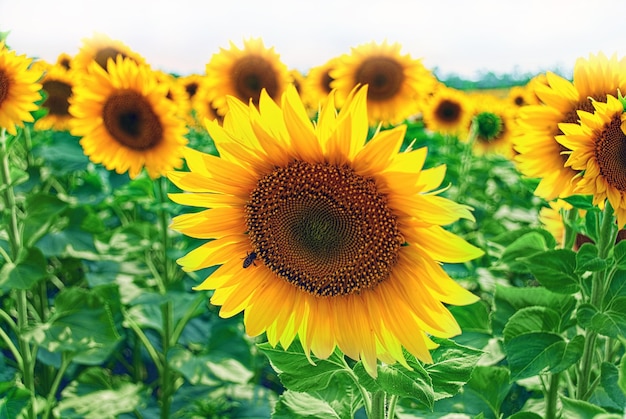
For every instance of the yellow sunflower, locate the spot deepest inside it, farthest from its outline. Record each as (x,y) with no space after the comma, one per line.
(125,120)
(597,146)
(19,89)
(203,103)
(64,60)
(540,155)
(397,83)
(317,84)
(322,235)
(243,73)
(448,111)
(494,125)
(57,85)
(100,48)
(175,92)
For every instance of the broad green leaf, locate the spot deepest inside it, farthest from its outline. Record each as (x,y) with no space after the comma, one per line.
(97,394)
(621,381)
(611,322)
(578,409)
(580,201)
(297,373)
(509,300)
(525,415)
(609,380)
(587,259)
(296,405)
(42,211)
(208,369)
(531,354)
(30,268)
(619,253)
(81,326)
(530,243)
(492,384)
(13,400)
(555,270)
(63,154)
(473,319)
(531,319)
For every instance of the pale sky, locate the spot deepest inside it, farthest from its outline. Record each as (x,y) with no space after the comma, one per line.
(453,36)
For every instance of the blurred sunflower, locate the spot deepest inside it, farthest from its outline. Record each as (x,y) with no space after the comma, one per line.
(175,92)
(202,104)
(540,155)
(448,111)
(397,83)
(598,147)
(522,96)
(125,120)
(494,125)
(317,84)
(243,73)
(57,84)
(341,240)
(190,83)
(19,89)
(64,60)
(100,48)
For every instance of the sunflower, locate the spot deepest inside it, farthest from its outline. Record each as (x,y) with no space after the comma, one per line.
(125,120)
(494,125)
(540,155)
(57,84)
(64,60)
(203,104)
(317,84)
(322,235)
(243,73)
(448,111)
(100,48)
(175,92)
(19,89)
(597,146)
(397,83)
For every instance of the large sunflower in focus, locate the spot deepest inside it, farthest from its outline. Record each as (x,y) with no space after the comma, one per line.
(322,235)
(100,48)
(126,121)
(57,84)
(19,89)
(448,111)
(598,147)
(397,83)
(540,155)
(243,73)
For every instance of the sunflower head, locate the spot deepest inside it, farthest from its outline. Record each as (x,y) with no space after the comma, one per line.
(448,111)
(125,119)
(243,73)
(318,84)
(57,85)
(100,48)
(396,83)
(19,89)
(322,233)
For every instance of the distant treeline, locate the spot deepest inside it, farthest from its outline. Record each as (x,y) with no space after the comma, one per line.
(491,80)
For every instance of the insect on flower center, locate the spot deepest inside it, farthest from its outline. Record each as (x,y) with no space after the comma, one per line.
(131,121)
(383,75)
(5,83)
(59,94)
(323,228)
(250,75)
(610,152)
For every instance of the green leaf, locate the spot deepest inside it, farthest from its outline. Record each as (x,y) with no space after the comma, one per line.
(619,253)
(30,268)
(491,384)
(580,201)
(42,211)
(525,415)
(609,379)
(531,319)
(13,400)
(397,380)
(530,354)
(208,369)
(528,244)
(578,409)
(555,270)
(81,326)
(296,405)
(587,259)
(621,381)
(509,300)
(297,373)
(611,322)
(97,394)
(473,319)
(63,154)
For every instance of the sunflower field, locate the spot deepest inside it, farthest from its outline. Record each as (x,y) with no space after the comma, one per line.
(358,240)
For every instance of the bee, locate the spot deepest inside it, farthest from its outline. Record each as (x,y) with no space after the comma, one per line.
(249,259)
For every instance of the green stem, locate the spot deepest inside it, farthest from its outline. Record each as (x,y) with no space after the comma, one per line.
(50,401)
(16,353)
(553,391)
(180,326)
(391,409)
(167,380)
(606,241)
(367,402)
(378,405)
(569,236)
(154,355)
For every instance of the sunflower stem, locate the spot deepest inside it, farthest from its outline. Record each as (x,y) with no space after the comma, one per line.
(378,405)
(553,392)
(606,240)
(569,235)
(15,241)
(50,401)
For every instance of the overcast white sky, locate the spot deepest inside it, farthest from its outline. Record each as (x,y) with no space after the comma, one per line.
(453,36)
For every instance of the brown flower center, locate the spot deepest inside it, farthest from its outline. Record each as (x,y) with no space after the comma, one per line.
(448,111)
(383,75)
(323,228)
(610,152)
(57,100)
(5,84)
(250,75)
(102,56)
(131,121)
(191,88)
(326,82)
